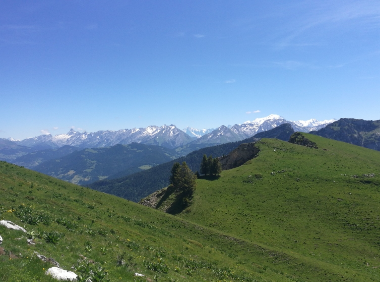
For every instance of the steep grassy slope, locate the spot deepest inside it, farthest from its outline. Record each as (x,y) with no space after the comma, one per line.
(115,238)
(320,206)
(123,237)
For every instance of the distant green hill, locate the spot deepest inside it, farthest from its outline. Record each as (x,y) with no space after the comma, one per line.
(293,213)
(137,186)
(90,165)
(10,150)
(355,131)
(37,157)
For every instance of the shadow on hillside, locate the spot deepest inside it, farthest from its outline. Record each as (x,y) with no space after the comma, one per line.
(180,204)
(167,194)
(210,178)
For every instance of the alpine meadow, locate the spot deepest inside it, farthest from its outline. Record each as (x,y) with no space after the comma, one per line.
(292,213)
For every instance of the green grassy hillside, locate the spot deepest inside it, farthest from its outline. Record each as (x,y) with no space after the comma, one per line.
(70,223)
(320,206)
(291,214)
(115,238)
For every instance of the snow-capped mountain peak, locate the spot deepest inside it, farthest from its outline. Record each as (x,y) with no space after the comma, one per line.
(306,123)
(259,121)
(310,125)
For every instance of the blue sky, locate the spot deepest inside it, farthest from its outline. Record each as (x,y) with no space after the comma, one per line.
(110,65)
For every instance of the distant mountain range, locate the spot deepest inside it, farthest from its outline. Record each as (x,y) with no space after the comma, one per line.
(185,141)
(166,136)
(130,163)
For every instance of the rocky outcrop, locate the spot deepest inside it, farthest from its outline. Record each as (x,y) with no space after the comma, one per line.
(11,225)
(300,139)
(239,156)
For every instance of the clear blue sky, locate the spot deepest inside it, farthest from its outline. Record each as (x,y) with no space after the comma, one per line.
(110,65)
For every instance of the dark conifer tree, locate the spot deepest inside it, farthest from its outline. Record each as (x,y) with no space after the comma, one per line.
(182,178)
(174,177)
(204,165)
(209,165)
(216,167)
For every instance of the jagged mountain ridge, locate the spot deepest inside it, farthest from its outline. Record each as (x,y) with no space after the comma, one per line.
(168,136)
(196,133)
(250,128)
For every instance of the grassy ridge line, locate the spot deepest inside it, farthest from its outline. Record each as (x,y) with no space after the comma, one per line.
(103,227)
(318,203)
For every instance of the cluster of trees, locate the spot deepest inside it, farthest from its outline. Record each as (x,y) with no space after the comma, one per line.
(183,181)
(210,166)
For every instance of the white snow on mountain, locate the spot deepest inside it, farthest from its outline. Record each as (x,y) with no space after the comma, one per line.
(171,136)
(196,133)
(312,122)
(259,121)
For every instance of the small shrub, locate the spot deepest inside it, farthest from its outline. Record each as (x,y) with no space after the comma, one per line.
(52,237)
(91,272)
(102,232)
(87,246)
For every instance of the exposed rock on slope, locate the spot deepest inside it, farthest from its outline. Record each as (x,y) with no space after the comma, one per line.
(300,139)
(239,156)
